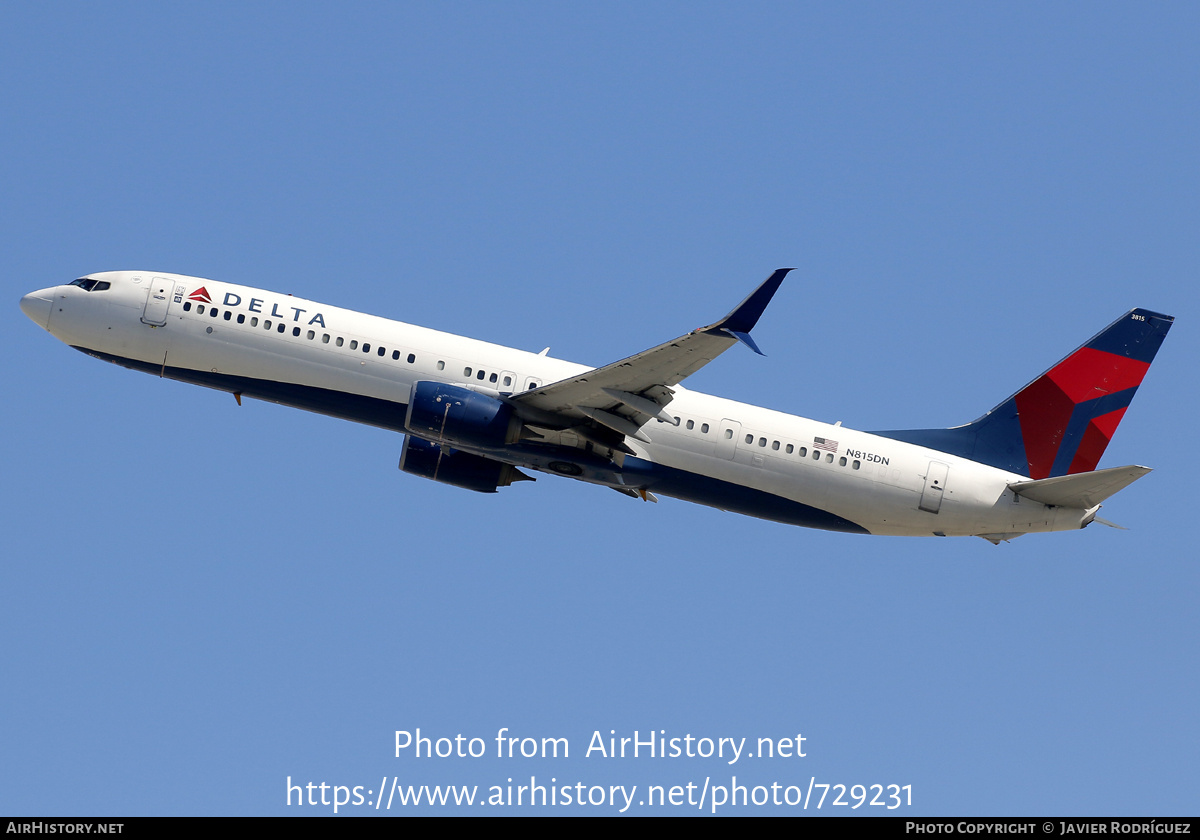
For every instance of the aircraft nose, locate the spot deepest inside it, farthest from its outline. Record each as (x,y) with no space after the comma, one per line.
(37,305)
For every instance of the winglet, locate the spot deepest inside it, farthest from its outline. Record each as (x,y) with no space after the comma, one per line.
(745,338)
(745,315)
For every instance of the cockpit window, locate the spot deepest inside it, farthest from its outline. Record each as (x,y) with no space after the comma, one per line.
(89,285)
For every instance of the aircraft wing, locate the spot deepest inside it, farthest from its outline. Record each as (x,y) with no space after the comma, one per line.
(625,395)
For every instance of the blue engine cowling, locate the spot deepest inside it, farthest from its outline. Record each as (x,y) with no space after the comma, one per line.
(453,466)
(457,415)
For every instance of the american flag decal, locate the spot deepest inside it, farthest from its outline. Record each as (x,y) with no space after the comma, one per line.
(823,443)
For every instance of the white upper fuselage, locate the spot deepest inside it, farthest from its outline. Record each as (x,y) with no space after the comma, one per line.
(246,335)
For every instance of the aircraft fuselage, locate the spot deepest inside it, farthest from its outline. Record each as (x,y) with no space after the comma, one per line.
(717,452)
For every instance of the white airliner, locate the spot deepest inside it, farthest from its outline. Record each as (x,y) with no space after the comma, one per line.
(475,413)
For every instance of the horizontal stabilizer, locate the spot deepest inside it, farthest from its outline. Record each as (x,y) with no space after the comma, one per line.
(1081,490)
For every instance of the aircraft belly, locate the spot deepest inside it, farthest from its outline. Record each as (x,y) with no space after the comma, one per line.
(732,496)
(737,485)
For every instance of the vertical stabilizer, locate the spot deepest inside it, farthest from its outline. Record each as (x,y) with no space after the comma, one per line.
(1061,422)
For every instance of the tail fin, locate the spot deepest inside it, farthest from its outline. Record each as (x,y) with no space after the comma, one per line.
(1061,422)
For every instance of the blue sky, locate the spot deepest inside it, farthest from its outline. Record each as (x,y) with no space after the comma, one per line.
(203,600)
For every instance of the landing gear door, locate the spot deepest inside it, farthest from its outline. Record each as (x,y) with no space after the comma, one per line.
(935,486)
(158,297)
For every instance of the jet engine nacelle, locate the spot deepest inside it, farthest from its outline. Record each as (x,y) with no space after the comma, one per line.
(453,466)
(457,415)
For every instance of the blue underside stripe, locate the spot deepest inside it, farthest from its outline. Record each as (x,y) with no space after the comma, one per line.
(369,410)
(386,414)
(714,492)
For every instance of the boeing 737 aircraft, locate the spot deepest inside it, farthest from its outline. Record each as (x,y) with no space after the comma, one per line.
(475,414)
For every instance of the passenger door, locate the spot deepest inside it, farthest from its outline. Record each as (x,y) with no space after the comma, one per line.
(935,486)
(158,297)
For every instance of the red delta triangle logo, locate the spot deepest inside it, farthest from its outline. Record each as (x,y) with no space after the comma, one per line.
(200,295)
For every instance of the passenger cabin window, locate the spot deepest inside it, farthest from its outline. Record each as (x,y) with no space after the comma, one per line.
(200,309)
(282,327)
(296,332)
(354,344)
(187,306)
(704,429)
(411,358)
(228,314)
